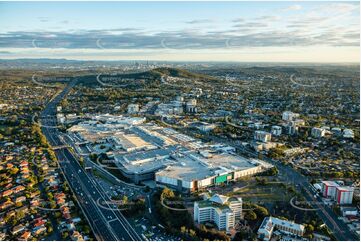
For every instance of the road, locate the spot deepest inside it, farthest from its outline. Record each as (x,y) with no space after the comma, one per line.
(106,223)
(328,216)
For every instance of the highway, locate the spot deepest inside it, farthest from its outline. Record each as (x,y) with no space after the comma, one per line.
(107,224)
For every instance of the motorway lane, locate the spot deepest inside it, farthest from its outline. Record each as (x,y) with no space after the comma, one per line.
(72,166)
(106,224)
(90,208)
(117,218)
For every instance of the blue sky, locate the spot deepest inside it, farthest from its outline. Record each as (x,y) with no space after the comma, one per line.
(226,31)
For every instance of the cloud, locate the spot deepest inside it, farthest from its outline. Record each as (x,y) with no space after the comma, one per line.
(295,7)
(44,19)
(5,53)
(270,18)
(251,25)
(237,20)
(339,8)
(316,26)
(200,21)
(251,34)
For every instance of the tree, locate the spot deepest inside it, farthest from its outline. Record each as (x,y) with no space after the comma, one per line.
(183,230)
(261,211)
(310,228)
(291,189)
(192,233)
(124,200)
(65,235)
(50,229)
(241,235)
(167,193)
(86,229)
(250,215)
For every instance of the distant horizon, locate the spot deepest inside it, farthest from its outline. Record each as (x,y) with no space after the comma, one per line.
(280,31)
(183,61)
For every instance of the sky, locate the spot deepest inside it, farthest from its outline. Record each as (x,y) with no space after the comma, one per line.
(287,31)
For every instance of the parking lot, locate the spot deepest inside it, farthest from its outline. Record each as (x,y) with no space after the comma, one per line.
(153,232)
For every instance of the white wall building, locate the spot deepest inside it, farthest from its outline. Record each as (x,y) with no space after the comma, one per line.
(269,224)
(221,210)
(289,116)
(191,106)
(318,132)
(341,194)
(344,195)
(276,130)
(329,188)
(348,133)
(133,108)
(262,136)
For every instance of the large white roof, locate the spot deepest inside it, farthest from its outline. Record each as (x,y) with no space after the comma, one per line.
(219,199)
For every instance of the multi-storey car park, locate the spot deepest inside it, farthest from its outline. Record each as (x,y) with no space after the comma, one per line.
(145,151)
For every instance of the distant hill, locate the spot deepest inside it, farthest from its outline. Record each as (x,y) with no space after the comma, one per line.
(152,76)
(173,72)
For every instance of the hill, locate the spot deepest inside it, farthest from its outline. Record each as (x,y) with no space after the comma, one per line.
(175,72)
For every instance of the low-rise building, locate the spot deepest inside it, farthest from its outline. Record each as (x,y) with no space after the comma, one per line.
(289,116)
(318,132)
(269,224)
(144,151)
(348,133)
(133,108)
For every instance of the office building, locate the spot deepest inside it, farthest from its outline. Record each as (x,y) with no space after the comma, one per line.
(191,106)
(276,130)
(348,133)
(133,108)
(329,188)
(262,136)
(221,210)
(344,195)
(270,224)
(289,116)
(318,132)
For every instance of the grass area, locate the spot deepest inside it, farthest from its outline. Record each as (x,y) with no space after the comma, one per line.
(100,175)
(263,193)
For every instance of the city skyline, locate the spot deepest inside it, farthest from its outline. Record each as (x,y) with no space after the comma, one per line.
(205,31)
